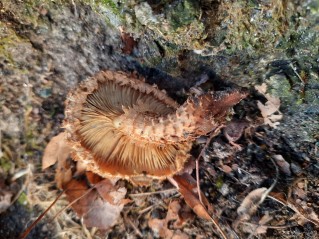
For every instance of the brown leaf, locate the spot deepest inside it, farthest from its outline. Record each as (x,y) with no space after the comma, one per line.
(63,172)
(93,178)
(260,227)
(57,149)
(187,187)
(249,205)
(128,42)
(284,166)
(269,110)
(226,169)
(97,209)
(160,226)
(5,200)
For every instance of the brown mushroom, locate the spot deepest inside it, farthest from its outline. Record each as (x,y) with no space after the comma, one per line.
(120,126)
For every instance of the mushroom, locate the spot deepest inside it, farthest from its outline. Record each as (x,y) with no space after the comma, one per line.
(121,126)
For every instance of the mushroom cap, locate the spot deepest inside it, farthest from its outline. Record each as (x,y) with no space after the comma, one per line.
(105,120)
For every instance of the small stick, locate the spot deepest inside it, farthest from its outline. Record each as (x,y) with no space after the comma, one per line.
(27,231)
(74,201)
(197,182)
(137,231)
(145,209)
(211,136)
(152,193)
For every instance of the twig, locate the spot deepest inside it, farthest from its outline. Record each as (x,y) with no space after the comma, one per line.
(270,227)
(197,182)
(272,185)
(145,209)
(137,231)
(297,74)
(27,231)
(294,208)
(201,155)
(28,172)
(152,193)
(218,228)
(74,201)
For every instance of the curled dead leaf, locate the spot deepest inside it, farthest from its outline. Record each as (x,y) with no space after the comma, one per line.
(188,188)
(56,150)
(269,110)
(284,166)
(128,41)
(99,206)
(249,205)
(5,200)
(258,228)
(160,226)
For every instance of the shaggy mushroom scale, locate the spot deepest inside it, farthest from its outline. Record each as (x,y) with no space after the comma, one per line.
(120,126)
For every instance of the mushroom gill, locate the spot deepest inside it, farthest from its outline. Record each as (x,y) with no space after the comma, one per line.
(120,126)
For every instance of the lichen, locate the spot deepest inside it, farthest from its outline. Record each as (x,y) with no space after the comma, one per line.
(179,24)
(110,9)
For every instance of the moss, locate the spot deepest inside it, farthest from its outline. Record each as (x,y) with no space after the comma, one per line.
(110,9)
(5,164)
(28,13)
(23,199)
(8,39)
(219,182)
(183,14)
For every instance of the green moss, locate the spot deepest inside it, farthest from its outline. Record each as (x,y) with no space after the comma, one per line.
(183,14)
(8,39)
(5,164)
(219,182)
(108,8)
(23,199)
(254,27)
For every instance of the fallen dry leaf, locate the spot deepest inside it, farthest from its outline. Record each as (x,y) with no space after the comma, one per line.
(259,228)
(99,206)
(249,205)
(128,42)
(188,188)
(5,200)
(56,150)
(270,110)
(63,172)
(284,166)
(234,130)
(160,226)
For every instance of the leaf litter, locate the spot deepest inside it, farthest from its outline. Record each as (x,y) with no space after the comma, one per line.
(107,200)
(270,110)
(161,226)
(99,207)
(97,201)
